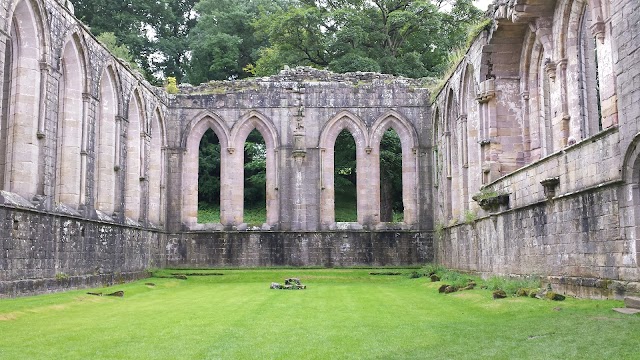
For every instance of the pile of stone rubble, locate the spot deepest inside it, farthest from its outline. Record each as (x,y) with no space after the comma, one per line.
(289,284)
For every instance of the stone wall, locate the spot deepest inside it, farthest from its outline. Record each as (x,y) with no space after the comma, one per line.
(325,249)
(299,114)
(61,92)
(537,173)
(45,252)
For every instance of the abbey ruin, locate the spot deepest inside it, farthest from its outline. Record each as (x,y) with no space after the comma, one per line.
(525,161)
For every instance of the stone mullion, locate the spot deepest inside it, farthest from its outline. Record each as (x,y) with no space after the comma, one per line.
(84,142)
(234,206)
(371,192)
(145,148)
(46,73)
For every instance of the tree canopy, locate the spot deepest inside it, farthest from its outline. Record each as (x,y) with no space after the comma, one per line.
(200,40)
(155,31)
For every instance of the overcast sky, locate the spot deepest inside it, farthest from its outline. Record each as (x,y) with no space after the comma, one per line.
(482,4)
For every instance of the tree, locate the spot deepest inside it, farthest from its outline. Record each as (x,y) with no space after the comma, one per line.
(209,170)
(390,176)
(154,31)
(401,37)
(223,42)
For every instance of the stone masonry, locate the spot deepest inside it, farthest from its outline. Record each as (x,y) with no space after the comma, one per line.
(536,136)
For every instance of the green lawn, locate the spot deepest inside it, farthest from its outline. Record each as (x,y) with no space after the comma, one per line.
(343,314)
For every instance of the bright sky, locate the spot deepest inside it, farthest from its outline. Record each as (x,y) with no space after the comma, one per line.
(482,4)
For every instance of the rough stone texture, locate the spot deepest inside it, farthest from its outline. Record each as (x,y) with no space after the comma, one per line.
(44,252)
(520,125)
(299,113)
(328,249)
(60,233)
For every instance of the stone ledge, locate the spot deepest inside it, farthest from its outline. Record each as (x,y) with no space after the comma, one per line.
(593,287)
(29,287)
(15,200)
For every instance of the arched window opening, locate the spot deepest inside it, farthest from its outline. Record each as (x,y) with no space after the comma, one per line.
(70,126)
(391,202)
(451,163)
(133,179)
(437,153)
(590,106)
(345,178)
(255,179)
(6,96)
(155,175)
(209,178)
(20,160)
(106,149)
(546,127)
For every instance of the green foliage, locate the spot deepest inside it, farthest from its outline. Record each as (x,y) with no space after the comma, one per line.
(512,285)
(255,173)
(409,38)
(431,268)
(345,177)
(470,217)
(391,177)
(439,229)
(172,87)
(209,170)
(154,31)
(121,51)
(223,43)
(61,276)
(208,213)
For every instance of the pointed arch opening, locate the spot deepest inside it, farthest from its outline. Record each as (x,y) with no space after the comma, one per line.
(345,176)
(540,136)
(209,178)
(156,170)
(451,171)
(589,76)
(134,175)
(393,166)
(207,130)
(267,158)
(20,162)
(391,176)
(255,179)
(70,125)
(106,144)
(366,211)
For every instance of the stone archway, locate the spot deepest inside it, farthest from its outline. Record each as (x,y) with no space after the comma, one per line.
(203,123)
(367,212)
(630,199)
(409,143)
(239,134)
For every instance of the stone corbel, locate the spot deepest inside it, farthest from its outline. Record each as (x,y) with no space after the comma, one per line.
(550,68)
(487,91)
(598,30)
(550,185)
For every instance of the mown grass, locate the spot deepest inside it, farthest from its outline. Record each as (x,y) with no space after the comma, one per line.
(211,214)
(344,314)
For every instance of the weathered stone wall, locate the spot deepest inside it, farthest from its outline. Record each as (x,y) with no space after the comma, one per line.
(291,248)
(299,113)
(45,252)
(48,242)
(528,125)
(96,163)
